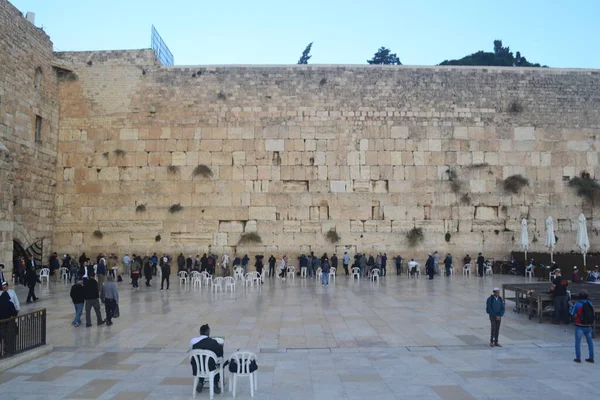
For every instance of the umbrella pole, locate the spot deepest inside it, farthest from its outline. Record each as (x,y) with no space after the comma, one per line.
(551,255)
(525,256)
(584,264)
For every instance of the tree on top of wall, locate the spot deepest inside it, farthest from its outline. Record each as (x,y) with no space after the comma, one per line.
(305,54)
(384,56)
(500,57)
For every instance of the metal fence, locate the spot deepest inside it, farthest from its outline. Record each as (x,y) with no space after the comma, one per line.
(22,333)
(160,48)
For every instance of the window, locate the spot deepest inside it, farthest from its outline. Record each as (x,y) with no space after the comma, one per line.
(38,128)
(37,80)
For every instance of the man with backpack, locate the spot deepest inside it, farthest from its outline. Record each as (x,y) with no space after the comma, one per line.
(584,314)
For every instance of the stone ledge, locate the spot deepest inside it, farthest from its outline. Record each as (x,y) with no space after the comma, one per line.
(22,358)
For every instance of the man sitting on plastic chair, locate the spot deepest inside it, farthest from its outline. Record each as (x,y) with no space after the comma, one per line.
(205,342)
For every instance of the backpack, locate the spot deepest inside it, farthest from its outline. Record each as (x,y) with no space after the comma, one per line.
(587,315)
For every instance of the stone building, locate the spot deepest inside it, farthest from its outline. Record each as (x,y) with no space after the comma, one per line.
(28,137)
(154,158)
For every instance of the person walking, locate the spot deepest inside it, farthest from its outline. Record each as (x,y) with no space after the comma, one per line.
(283,267)
(430,266)
(91,294)
(346,262)
(448,264)
(480,262)
(110,299)
(559,290)
(31,279)
(584,314)
(398,260)
(494,307)
(135,273)
(78,298)
(166,271)
(148,272)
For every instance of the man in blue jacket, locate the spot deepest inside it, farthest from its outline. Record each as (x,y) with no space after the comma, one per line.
(495,309)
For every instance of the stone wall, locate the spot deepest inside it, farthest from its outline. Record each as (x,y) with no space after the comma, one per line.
(297,151)
(28,192)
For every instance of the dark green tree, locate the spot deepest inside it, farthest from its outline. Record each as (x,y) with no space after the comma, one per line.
(500,57)
(305,54)
(384,56)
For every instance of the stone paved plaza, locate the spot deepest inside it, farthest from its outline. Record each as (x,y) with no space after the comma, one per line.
(397,339)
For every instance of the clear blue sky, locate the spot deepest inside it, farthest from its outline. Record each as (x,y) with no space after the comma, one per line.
(559,33)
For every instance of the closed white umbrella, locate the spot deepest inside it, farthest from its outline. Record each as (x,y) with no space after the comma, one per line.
(583,241)
(550,237)
(524,237)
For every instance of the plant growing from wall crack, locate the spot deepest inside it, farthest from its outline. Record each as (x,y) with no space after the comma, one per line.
(515,183)
(249,237)
(98,234)
(415,236)
(585,186)
(119,152)
(203,171)
(333,236)
(175,208)
(140,208)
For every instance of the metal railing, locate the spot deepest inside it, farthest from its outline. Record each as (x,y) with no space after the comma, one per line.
(22,333)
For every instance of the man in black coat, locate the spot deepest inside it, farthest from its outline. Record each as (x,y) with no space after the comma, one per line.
(480,262)
(430,266)
(166,271)
(31,279)
(92,296)
(205,342)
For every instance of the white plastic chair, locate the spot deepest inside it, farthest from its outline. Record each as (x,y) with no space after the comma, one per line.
(303,272)
(375,274)
(202,358)
(332,274)
(249,279)
(196,280)
(291,272)
(551,276)
(238,273)
(529,273)
(467,269)
(319,274)
(258,278)
(207,278)
(356,273)
(487,270)
(243,360)
(217,283)
(183,278)
(417,273)
(95,269)
(45,274)
(229,282)
(64,274)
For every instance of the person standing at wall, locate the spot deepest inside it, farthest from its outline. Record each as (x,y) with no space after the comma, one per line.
(324,271)
(31,279)
(384,264)
(430,266)
(334,262)
(110,299)
(480,262)
(127,264)
(245,261)
(436,262)
(180,262)
(448,264)
(90,289)
(166,271)
(101,271)
(398,260)
(494,307)
(346,262)
(283,267)
(272,262)
(135,273)
(78,298)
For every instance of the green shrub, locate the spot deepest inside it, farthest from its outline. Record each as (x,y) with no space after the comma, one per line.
(249,237)
(175,208)
(415,236)
(333,236)
(514,184)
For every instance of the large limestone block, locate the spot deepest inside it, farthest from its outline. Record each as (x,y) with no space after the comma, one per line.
(231,226)
(394,212)
(525,133)
(399,132)
(338,186)
(128,134)
(275,145)
(359,211)
(262,213)
(486,213)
